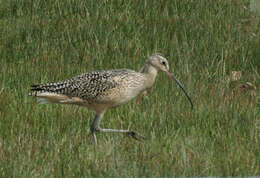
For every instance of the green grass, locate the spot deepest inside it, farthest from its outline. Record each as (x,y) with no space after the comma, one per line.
(204,41)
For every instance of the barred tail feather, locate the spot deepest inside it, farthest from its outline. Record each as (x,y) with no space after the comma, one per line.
(50,97)
(35,90)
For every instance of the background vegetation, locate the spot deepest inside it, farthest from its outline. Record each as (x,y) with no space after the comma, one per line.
(204,40)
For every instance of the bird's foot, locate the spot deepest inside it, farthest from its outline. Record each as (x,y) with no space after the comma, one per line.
(135,135)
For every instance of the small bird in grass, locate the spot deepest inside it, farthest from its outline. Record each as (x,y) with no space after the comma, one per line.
(105,89)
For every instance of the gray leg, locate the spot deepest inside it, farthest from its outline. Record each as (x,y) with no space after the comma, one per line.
(96,128)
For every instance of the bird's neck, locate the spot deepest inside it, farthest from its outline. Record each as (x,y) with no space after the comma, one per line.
(150,72)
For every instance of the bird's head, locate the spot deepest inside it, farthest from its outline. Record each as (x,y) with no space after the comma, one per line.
(160,63)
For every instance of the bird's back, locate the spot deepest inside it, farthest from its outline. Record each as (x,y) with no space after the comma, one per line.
(111,87)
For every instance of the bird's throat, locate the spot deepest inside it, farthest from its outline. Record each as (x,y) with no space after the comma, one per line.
(150,72)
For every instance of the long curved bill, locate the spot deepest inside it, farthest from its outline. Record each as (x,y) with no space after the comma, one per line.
(181,86)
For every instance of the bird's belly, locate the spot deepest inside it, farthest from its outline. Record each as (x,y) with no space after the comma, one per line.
(125,96)
(108,103)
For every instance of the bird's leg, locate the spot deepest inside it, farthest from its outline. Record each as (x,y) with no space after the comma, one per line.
(131,133)
(96,128)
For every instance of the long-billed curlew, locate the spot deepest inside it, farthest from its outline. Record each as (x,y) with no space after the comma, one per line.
(105,89)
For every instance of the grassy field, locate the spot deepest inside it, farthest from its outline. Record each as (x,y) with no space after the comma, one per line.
(204,41)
